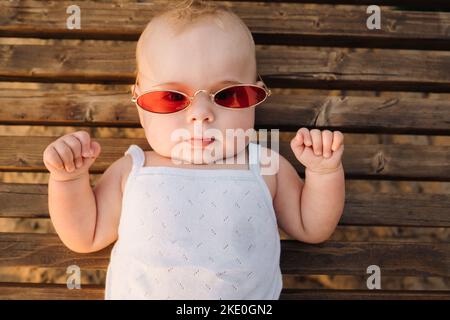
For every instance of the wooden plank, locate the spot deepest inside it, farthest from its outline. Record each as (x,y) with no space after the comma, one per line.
(396,209)
(395,258)
(361,209)
(334,294)
(40,249)
(431,5)
(50,291)
(47,291)
(287,23)
(310,67)
(67,104)
(376,161)
(23,200)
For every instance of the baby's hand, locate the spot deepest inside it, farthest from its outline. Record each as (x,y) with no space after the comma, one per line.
(71,155)
(319,152)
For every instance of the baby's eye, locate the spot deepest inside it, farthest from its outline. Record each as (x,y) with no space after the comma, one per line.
(174,96)
(225,94)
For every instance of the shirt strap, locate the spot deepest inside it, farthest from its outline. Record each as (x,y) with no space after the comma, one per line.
(253,158)
(138,156)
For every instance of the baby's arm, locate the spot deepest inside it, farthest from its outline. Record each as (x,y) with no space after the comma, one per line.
(85,219)
(310,211)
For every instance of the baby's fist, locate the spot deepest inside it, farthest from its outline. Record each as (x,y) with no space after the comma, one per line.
(318,151)
(71,155)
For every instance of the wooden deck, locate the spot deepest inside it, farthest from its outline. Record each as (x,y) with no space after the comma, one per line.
(327,70)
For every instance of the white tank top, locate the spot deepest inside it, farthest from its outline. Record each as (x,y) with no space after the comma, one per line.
(195,234)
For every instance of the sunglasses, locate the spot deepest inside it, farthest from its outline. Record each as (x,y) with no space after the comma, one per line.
(233,97)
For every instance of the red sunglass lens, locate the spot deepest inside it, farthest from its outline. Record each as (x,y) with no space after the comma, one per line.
(240,96)
(162,101)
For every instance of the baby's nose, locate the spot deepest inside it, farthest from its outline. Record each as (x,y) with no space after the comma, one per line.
(200,116)
(201,108)
(202,90)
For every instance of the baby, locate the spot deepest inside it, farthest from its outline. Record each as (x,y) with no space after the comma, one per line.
(188,225)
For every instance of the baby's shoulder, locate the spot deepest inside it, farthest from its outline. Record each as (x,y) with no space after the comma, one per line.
(126,163)
(268,161)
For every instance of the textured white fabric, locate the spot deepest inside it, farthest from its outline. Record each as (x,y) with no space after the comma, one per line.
(195,234)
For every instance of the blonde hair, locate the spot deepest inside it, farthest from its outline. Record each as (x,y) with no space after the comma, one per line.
(184,13)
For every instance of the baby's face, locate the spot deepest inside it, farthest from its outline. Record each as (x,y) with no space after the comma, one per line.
(204,56)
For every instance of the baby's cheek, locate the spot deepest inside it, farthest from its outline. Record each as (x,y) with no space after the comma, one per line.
(159,137)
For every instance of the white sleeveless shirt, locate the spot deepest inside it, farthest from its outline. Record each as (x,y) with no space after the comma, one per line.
(195,234)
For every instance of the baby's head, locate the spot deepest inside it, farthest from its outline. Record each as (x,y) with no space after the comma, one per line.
(195,46)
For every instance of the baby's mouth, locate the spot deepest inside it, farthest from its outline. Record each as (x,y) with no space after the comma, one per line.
(200,142)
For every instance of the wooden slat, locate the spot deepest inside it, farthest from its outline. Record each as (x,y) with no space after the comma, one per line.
(38,249)
(269,22)
(425,5)
(47,291)
(39,291)
(393,258)
(368,209)
(322,67)
(431,5)
(23,200)
(324,294)
(376,161)
(52,104)
(396,209)
(332,257)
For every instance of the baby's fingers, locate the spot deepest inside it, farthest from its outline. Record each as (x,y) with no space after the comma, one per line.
(338,140)
(52,158)
(85,140)
(298,138)
(75,146)
(304,137)
(327,139)
(316,137)
(66,155)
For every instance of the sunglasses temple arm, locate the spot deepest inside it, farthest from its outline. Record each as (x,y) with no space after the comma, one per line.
(269,92)
(133,97)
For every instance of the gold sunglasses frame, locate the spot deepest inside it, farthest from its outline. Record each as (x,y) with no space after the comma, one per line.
(135,98)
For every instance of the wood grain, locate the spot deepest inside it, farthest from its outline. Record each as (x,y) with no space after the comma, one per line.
(38,291)
(367,161)
(395,258)
(287,66)
(361,208)
(288,23)
(312,44)
(49,104)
